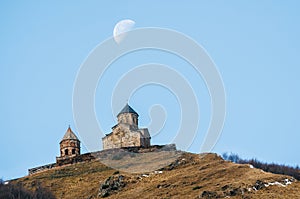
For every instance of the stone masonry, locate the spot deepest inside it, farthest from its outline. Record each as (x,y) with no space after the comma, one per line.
(127,133)
(69,146)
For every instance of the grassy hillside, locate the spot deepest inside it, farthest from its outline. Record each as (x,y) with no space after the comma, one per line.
(186,176)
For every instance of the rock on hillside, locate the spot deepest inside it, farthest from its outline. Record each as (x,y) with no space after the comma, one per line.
(188,176)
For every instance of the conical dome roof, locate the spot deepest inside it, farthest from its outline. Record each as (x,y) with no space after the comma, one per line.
(128,109)
(69,135)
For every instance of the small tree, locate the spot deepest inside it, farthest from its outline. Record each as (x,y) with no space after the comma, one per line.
(225,156)
(268,167)
(231,157)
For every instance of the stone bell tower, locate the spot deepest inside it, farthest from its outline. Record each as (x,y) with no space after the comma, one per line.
(69,145)
(128,116)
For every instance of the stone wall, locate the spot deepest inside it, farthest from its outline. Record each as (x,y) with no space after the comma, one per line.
(122,139)
(62,161)
(72,147)
(100,154)
(131,119)
(125,135)
(41,168)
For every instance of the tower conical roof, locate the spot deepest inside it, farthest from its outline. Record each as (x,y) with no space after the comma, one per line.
(128,109)
(69,135)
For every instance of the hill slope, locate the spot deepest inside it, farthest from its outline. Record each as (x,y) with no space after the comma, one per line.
(188,176)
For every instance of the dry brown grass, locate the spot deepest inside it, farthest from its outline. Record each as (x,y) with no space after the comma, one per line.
(186,177)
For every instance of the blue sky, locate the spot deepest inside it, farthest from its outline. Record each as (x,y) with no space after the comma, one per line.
(255,46)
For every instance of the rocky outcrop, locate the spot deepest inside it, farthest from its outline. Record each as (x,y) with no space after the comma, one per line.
(110,185)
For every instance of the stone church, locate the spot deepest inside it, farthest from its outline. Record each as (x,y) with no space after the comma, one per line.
(124,134)
(127,132)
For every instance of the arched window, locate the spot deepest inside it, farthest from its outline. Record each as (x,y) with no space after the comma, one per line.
(73,151)
(66,152)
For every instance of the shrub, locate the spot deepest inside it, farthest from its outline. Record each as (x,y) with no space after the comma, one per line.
(12,191)
(116,172)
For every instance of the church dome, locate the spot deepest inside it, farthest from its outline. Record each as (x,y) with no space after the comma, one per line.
(128,109)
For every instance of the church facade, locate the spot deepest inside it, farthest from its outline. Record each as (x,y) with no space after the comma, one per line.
(126,133)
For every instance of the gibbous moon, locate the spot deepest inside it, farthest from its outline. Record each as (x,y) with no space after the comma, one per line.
(121,28)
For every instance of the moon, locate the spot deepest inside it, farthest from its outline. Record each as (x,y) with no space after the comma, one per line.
(121,29)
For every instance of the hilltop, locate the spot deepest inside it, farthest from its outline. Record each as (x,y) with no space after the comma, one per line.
(188,176)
